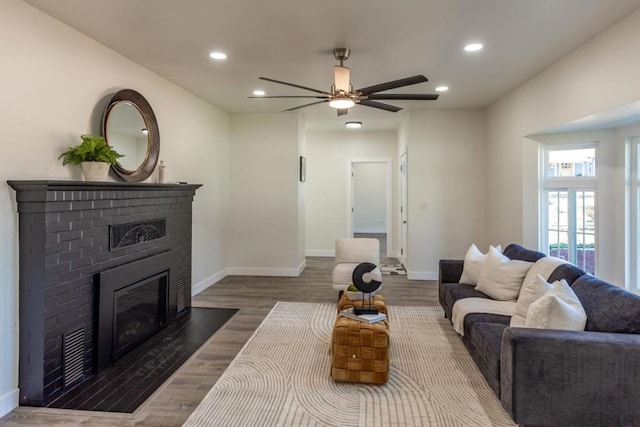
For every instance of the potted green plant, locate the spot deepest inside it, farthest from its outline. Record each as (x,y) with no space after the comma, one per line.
(93,155)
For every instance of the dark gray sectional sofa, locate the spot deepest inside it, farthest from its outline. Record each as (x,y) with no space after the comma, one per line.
(551,377)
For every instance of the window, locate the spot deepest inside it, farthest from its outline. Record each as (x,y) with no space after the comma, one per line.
(568,214)
(632,172)
(570,162)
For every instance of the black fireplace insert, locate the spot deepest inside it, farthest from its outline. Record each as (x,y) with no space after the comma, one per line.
(136,300)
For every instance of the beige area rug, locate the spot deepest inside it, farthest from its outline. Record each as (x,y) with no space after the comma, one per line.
(281,377)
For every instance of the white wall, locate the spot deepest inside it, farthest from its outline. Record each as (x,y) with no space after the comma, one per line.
(52,80)
(446,187)
(601,74)
(369,198)
(264,200)
(328,155)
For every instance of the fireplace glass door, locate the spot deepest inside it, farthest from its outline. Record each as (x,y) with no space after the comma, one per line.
(140,310)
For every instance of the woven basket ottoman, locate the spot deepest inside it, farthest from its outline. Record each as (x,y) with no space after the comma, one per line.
(360,351)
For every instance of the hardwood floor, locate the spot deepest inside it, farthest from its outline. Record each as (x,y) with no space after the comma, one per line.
(172,404)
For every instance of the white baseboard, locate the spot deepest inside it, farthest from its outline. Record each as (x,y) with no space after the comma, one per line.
(301,267)
(209,281)
(422,275)
(8,402)
(320,252)
(257,271)
(332,253)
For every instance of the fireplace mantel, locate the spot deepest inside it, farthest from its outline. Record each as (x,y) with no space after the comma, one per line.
(40,191)
(66,240)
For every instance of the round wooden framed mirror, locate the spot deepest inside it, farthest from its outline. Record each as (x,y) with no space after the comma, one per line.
(130,127)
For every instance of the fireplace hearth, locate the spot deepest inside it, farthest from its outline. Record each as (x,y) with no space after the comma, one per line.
(75,237)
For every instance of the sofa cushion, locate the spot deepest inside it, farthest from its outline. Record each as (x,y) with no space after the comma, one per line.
(559,308)
(487,340)
(515,251)
(502,277)
(474,262)
(568,272)
(609,308)
(472,318)
(452,292)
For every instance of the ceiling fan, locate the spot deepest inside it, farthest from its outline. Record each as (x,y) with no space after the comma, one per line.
(343,96)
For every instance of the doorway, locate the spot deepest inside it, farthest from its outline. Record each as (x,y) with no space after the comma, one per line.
(403,209)
(369,201)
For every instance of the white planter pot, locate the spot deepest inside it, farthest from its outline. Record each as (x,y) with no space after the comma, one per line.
(95,171)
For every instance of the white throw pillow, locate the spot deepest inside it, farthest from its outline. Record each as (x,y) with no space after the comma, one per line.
(558,308)
(529,293)
(545,267)
(474,261)
(501,278)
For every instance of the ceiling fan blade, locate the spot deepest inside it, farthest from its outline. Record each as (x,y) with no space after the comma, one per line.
(380,105)
(404,97)
(307,105)
(342,111)
(294,85)
(292,96)
(408,81)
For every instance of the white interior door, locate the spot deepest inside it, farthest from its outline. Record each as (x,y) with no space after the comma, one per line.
(403,208)
(369,198)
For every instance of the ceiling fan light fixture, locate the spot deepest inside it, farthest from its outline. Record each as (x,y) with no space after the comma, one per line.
(442,88)
(343,96)
(259,92)
(341,102)
(341,78)
(353,125)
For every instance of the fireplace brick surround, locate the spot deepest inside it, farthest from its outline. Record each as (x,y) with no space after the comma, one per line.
(66,241)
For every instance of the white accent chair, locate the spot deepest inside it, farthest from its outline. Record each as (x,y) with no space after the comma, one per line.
(349,253)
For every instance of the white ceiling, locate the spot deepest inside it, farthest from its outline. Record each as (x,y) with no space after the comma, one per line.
(292,40)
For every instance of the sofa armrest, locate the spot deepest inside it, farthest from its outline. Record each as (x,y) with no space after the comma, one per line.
(450,270)
(550,377)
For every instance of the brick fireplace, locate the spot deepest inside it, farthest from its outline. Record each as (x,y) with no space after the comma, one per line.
(102,267)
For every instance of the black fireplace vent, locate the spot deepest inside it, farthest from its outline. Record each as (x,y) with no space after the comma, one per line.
(137,232)
(73,358)
(181,298)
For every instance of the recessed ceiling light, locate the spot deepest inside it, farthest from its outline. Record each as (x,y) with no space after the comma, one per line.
(442,88)
(218,55)
(473,47)
(259,92)
(353,125)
